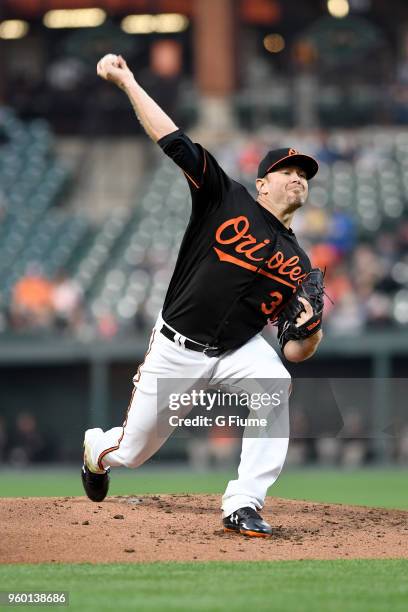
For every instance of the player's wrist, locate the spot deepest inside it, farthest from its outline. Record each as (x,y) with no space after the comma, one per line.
(300,350)
(128,84)
(313,339)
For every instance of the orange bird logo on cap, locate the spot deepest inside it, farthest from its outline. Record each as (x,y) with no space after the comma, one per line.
(293,152)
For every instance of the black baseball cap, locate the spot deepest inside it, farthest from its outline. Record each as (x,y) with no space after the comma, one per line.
(279,158)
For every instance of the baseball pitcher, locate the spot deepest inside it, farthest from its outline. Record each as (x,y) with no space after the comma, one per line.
(239,266)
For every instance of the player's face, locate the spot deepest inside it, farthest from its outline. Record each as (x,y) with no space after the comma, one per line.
(287,186)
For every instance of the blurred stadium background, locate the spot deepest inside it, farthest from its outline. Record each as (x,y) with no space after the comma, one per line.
(92,214)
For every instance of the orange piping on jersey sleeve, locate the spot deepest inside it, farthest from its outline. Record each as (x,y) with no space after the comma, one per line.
(196,185)
(192,180)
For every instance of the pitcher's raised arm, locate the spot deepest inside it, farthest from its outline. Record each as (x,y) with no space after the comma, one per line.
(153,119)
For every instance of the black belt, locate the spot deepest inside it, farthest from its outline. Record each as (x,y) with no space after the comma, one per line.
(210,351)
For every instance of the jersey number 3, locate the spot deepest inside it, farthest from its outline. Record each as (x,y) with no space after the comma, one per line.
(273,304)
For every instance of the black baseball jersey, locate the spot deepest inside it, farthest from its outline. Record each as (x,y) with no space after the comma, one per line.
(238,264)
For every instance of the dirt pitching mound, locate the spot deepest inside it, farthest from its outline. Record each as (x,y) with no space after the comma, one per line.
(188,528)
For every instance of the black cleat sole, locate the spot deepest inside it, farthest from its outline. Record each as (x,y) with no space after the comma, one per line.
(96,486)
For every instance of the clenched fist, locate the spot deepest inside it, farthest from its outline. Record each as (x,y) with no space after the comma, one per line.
(114,68)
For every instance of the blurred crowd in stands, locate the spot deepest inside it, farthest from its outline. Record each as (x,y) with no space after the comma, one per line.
(40,304)
(366,279)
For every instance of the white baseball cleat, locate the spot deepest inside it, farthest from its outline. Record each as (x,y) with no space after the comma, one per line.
(90,436)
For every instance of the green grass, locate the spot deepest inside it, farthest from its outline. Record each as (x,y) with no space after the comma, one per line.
(371,487)
(289,586)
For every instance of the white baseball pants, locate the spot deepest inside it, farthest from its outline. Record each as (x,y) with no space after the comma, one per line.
(262,458)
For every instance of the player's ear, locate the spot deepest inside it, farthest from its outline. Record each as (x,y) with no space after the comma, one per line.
(261,186)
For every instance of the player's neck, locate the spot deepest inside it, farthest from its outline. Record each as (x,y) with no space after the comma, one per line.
(284,216)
